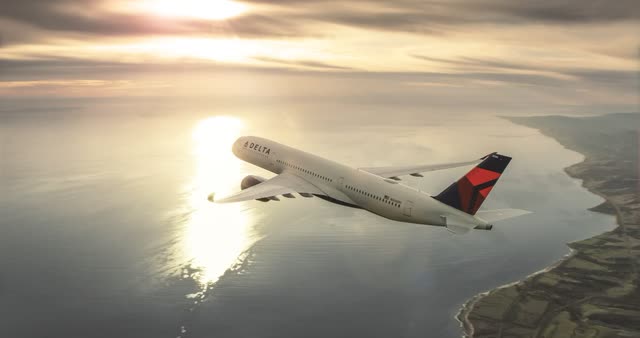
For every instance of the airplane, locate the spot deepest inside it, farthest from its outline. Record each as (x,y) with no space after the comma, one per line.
(375,189)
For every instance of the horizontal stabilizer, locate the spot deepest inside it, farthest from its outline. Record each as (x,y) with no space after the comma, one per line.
(500,214)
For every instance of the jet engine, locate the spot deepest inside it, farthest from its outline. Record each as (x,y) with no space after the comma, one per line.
(252,180)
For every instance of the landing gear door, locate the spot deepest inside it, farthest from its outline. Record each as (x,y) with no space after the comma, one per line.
(407,208)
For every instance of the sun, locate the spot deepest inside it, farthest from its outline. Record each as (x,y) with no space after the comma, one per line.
(200,9)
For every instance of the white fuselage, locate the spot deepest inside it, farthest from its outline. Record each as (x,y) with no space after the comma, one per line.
(349,186)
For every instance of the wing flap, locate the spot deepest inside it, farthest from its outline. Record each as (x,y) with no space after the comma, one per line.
(282,184)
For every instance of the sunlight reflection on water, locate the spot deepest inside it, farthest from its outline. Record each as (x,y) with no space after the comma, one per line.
(217,234)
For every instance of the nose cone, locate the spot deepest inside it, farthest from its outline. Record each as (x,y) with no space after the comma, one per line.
(237,145)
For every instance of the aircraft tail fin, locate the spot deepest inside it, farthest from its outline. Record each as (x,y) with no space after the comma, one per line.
(468,193)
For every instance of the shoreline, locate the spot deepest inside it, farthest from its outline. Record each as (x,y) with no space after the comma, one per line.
(502,308)
(462,316)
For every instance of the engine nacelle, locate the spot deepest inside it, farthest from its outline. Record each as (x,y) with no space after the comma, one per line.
(252,180)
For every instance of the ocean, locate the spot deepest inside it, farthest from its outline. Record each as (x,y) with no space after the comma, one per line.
(106,230)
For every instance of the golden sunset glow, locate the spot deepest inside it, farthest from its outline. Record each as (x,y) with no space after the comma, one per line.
(128,208)
(228,50)
(289,50)
(231,50)
(200,9)
(216,233)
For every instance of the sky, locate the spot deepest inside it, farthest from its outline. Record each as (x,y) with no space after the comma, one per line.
(492,56)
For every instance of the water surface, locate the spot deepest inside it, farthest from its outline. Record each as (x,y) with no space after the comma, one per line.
(106,230)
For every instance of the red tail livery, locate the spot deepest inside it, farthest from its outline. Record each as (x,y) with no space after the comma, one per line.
(473,188)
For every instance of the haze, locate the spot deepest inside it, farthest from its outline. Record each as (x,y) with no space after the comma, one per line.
(117,117)
(490,56)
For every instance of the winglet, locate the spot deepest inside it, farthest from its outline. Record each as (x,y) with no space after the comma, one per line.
(485,156)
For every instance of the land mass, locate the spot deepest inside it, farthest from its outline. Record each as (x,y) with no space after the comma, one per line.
(595,291)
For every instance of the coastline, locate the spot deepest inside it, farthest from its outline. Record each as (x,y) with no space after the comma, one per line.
(536,304)
(463,314)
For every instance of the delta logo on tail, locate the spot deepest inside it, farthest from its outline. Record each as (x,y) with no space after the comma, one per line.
(468,193)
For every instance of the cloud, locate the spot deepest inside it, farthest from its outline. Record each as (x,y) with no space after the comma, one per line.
(55,17)
(437,16)
(537,76)
(303,63)
(612,79)
(476,62)
(293,18)
(547,74)
(283,88)
(465,53)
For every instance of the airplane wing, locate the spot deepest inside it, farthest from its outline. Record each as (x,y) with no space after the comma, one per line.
(285,183)
(415,170)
